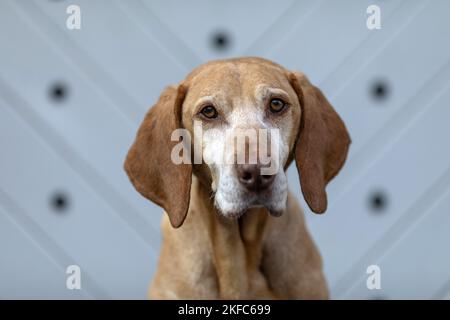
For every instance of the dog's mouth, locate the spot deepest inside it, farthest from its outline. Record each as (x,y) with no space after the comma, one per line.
(273,211)
(234,199)
(237,209)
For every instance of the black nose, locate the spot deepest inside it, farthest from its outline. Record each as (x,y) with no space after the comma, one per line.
(249,176)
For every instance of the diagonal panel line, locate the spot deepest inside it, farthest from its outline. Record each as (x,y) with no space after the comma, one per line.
(110,196)
(284,22)
(53,250)
(155,29)
(442,292)
(390,133)
(98,78)
(407,220)
(363,53)
(414,212)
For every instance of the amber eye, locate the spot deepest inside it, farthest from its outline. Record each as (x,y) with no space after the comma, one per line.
(209,112)
(276,105)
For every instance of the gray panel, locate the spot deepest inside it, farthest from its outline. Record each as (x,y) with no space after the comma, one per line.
(26,270)
(88,230)
(114,69)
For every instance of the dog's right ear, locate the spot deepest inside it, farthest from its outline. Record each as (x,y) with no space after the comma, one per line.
(148,163)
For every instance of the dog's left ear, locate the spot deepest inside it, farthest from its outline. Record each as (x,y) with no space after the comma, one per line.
(322,143)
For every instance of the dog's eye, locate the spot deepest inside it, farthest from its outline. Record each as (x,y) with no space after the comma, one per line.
(276,105)
(209,112)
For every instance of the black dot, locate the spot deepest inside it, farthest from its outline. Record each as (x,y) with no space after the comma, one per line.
(58,92)
(378,201)
(221,40)
(60,201)
(380,90)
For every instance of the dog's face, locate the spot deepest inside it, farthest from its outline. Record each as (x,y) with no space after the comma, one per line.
(248,118)
(247,112)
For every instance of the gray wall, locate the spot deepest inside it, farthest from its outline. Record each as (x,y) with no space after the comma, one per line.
(71,101)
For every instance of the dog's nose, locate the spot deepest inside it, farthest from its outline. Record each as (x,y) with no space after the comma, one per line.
(249,175)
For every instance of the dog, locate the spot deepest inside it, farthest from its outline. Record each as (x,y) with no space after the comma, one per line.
(230,231)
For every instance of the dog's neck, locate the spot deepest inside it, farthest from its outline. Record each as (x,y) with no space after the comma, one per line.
(237,243)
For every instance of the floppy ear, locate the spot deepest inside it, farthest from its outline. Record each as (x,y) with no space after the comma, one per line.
(149,165)
(322,144)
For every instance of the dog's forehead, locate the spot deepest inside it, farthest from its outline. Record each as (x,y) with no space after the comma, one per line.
(235,78)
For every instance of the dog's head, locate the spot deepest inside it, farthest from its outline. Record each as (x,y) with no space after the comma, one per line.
(244,121)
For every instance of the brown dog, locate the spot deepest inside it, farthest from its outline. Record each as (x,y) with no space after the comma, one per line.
(229,247)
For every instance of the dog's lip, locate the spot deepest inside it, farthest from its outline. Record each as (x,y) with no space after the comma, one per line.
(273,212)
(236,215)
(252,202)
